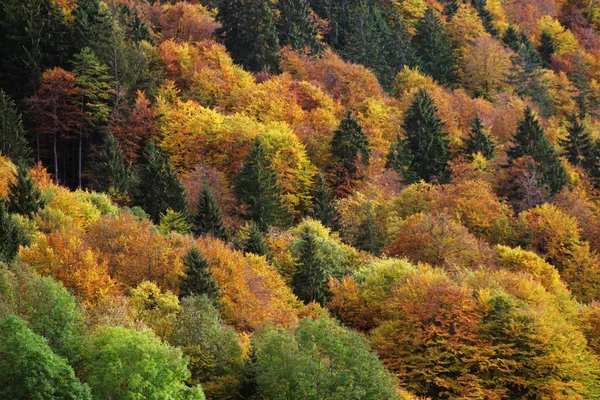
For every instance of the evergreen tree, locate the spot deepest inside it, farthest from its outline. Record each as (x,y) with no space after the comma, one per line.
(512,38)
(295,25)
(450,7)
(111,173)
(426,146)
(577,145)
(349,146)
(13,143)
(159,187)
(323,207)
(248,31)
(255,243)
(198,279)
(370,238)
(93,25)
(530,140)
(399,159)
(23,197)
(527,78)
(587,101)
(479,141)
(12,235)
(208,219)
(486,17)
(257,187)
(434,50)
(547,48)
(310,279)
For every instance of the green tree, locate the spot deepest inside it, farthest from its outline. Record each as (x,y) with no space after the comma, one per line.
(248,31)
(527,77)
(512,38)
(159,187)
(174,221)
(424,153)
(577,146)
(30,370)
(371,237)
(310,279)
(208,219)
(257,187)
(547,48)
(198,279)
(255,242)
(350,147)
(110,172)
(434,50)
(129,364)
(23,197)
(323,207)
(486,17)
(12,235)
(295,25)
(479,140)
(13,142)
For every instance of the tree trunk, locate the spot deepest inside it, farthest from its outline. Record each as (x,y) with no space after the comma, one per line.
(55,160)
(80,140)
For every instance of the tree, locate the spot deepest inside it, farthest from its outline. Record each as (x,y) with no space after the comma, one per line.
(13,143)
(30,370)
(349,147)
(310,279)
(479,140)
(512,38)
(295,25)
(12,235)
(174,221)
(547,48)
(486,17)
(577,146)
(208,219)
(485,67)
(323,207)
(371,238)
(255,243)
(434,50)
(125,363)
(110,172)
(424,153)
(23,197)
(159,187)
(528,77)
(248,31)
(198,279)
(258,188)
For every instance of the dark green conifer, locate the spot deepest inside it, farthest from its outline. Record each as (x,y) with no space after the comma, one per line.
(13,143)
(577,146)
(349,146)
(547,48)
(12,235)
(310,279)
(512,38)
(23,197)
(255,243)
(208,219)
(295,25)
(479,141)
(528,80)
(486,17)
(370,238)
(323,207)
(198,279)
(111,173)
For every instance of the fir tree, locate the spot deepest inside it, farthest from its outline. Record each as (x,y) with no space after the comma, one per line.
(310,279)
(255,243)
(295,25)
(208,219)
(577,145)
(587,101)
(547,48)
(257,187)
(198,279)
(12,235)
(323,207)
(349,146)
(370,237)
(426,146)
(527,78)
(399,159)
(479,141)
(248,31)
(159,187)
(23,197)
(512,38)
(111,173)
(13,143)
(486,17)
(434,50)
(450,7)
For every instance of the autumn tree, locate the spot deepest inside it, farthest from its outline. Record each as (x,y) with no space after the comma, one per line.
(350,148)
(208,219)
(485,66)
(198,279)
(13,142)
(479,140)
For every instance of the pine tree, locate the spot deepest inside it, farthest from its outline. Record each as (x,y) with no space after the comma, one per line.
(434,50)
(577,145)
(323,207)
(257,187)
(248,31)
(547,48)
(512,38)
(111,173)
(159,187)
(486,17)
(255,243)
(296,27)
(450,7)
(23,197)
(399,159)
(587,101)
(528,78)
(310,279)
(208,219)
(426,144)
(349,146)
(12,235)
(370,238)
(13,143)
(198,279)
(479,141)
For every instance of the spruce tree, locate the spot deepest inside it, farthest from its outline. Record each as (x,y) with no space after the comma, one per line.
(425,148)
(248,31)
(486,17)
(577,146)
(295,25)
(198,279)
(399,159)
(349,146)
(208,219)
(587,101)
(255,243)
(512,38)
(257,187)
(23,197)
(434,50)
(370,238)
(12,235)
(323,206)
(479,141)
(310,279)
(13,143)
(528,78)
(159,187)
(111,173)
(547,48)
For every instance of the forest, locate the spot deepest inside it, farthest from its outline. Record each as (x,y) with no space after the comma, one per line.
(300,199)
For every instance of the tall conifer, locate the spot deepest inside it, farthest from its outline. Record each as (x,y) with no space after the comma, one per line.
(208,219)
(479,141)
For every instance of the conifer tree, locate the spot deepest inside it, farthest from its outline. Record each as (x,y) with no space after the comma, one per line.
(248,31)
(512,38)
(295,25)
(13,143)
(208,219)
(159,187)
(486,17)
(450,7)
(198,279)
(434,50)
(323,207)
(255,243)
(577,145)
(257,187)
(547,48)
(370,238)
(349,146)
(424,153)
(23,197)
(528,79)
(587,101)
(310,279)
(479,141)
(111,173)
(12,235)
